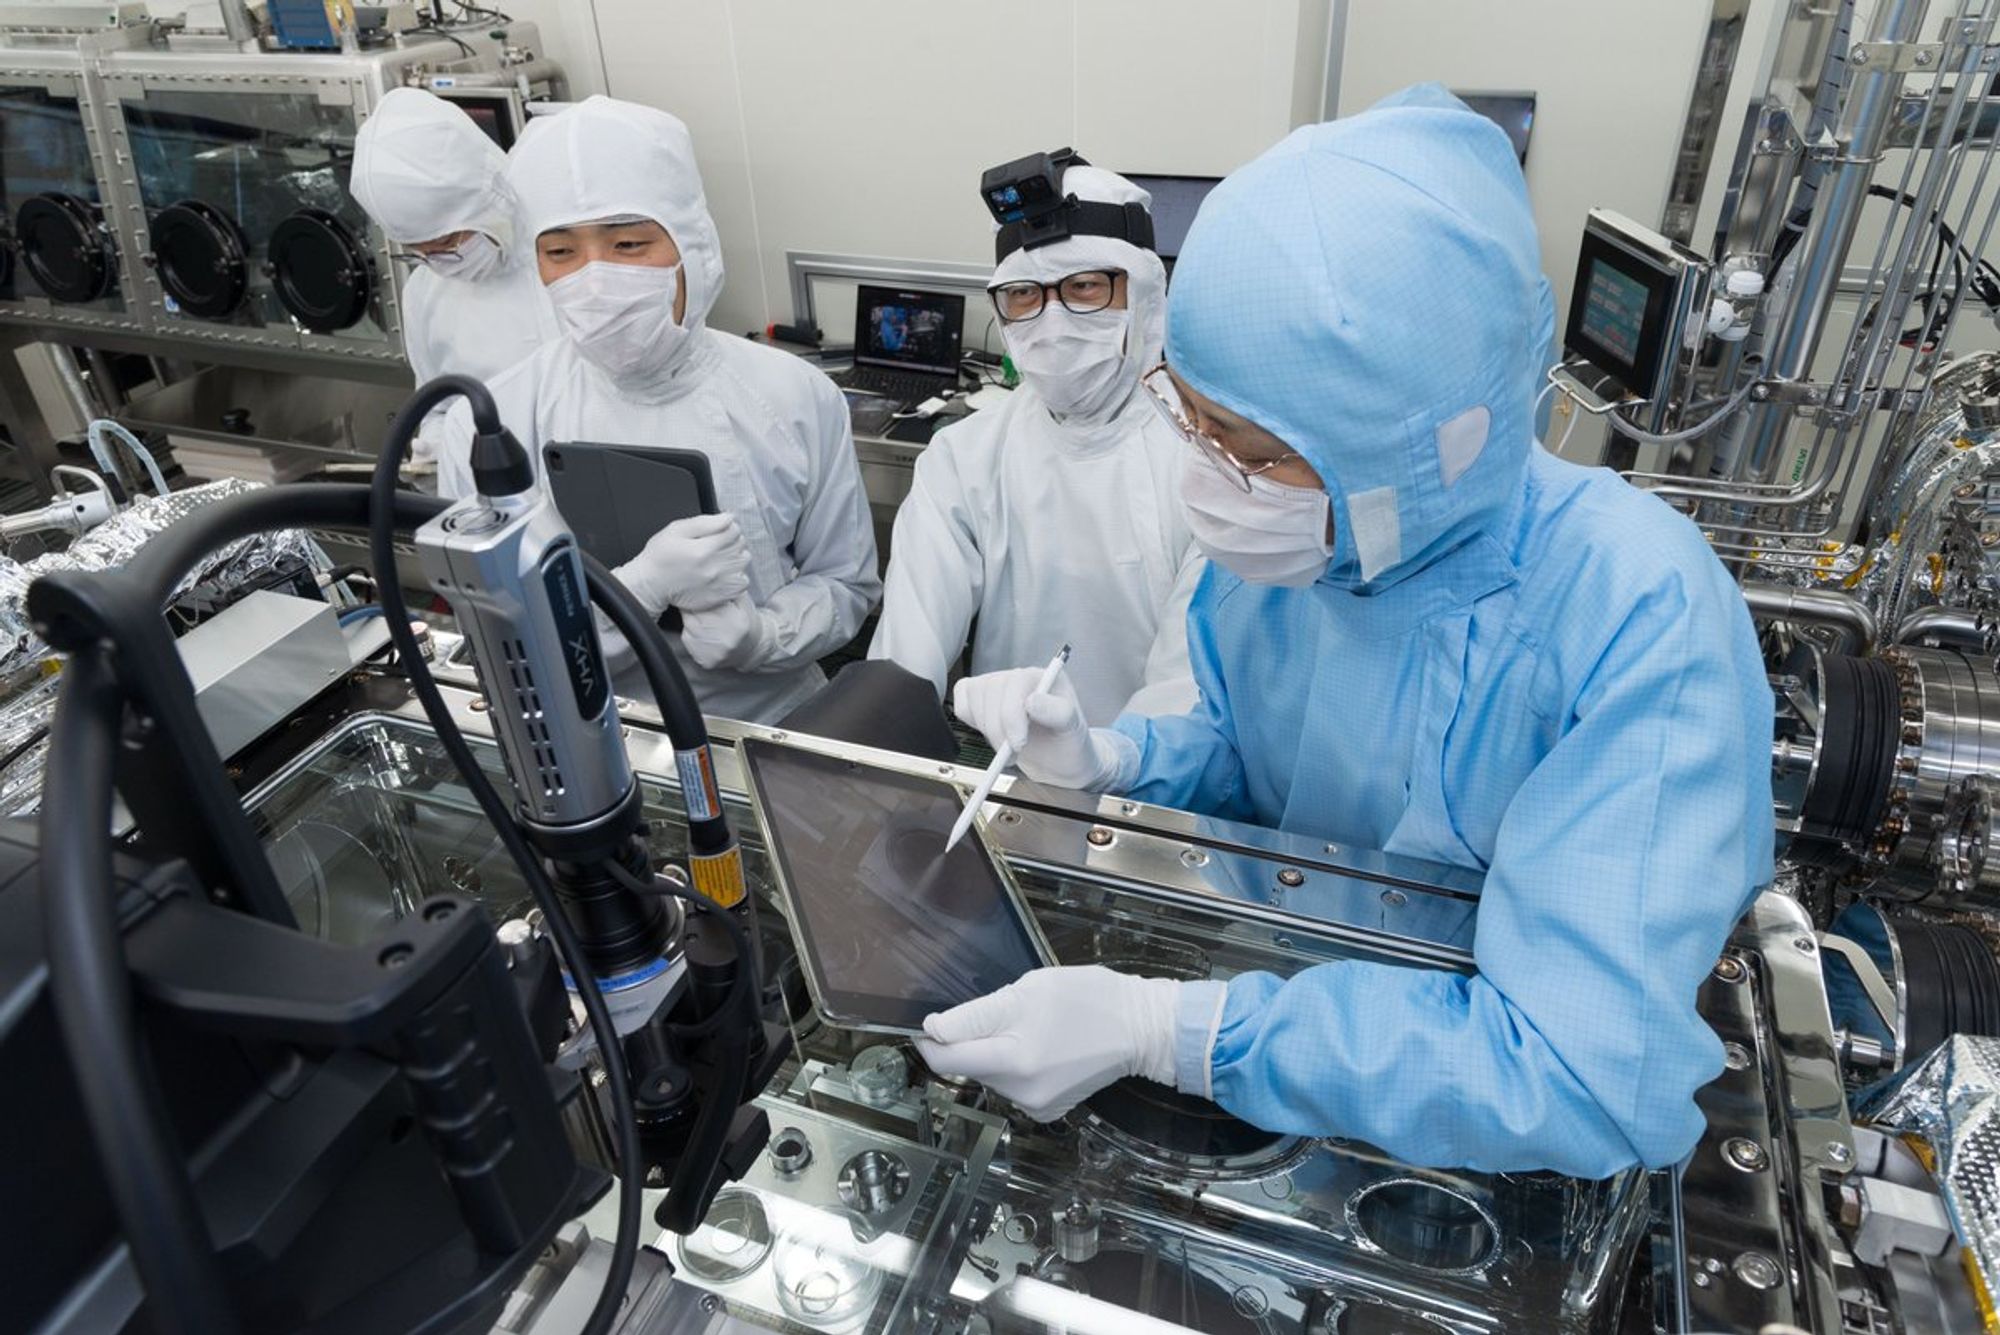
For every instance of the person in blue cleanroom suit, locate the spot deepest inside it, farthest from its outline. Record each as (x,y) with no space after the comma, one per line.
(1423,633)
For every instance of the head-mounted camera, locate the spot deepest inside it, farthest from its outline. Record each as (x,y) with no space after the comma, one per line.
(1026,198)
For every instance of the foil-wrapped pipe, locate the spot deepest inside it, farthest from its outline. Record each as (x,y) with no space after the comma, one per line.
(1820,607)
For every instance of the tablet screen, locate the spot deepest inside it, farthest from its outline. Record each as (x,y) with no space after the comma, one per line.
(890,926)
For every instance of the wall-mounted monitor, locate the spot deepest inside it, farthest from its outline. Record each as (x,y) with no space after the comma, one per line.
(1175,202)
(1512,112)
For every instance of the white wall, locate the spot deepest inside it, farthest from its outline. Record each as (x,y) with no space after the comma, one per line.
(1613,78)
(861,126)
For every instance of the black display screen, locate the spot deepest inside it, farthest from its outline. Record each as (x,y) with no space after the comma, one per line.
(1176,200)
(1619,314)
(1614,311)
(890,927)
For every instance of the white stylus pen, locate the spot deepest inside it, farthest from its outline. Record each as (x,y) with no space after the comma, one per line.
(1001,760)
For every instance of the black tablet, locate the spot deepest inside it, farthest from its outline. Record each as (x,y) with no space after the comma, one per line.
(616,497)
(890,927)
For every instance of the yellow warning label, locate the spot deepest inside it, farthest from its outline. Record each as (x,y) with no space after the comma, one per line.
(719,876)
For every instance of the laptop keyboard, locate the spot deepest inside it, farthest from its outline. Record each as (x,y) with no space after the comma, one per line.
(908,386)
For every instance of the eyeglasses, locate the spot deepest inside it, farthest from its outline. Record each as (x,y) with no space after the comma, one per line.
(1080,293)
(1167,398)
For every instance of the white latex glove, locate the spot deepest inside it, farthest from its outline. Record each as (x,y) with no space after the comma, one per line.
(693,564)
(1058,1036)
(1052,742)
(732,635)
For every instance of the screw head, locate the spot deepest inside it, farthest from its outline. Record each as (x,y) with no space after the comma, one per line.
(396,956)
(1757,1270)
(1838,1153)
(1745,1154)
(1805,945)
(1395,899)
(1736,1057)
(1100,837)
(1291,877)
(479,705)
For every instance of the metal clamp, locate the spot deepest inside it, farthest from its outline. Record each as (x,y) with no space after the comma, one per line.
(1880,998)
(1914,57)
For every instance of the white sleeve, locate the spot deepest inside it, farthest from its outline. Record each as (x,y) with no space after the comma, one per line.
(833,550)
(936,578)
(453,438)
(1168,686)
(424,365)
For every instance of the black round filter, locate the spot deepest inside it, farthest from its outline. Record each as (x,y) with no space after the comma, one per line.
(320,270)
(63,248)
(198,251)
(1952,983)
(1861,717)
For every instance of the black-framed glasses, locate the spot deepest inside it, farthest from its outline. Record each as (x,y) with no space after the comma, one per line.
(1080,293)
(1166,397)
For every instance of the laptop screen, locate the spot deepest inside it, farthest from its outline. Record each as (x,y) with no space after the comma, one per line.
(908,331)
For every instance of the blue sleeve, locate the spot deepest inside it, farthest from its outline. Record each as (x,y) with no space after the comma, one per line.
(1190,761)
(1619,868)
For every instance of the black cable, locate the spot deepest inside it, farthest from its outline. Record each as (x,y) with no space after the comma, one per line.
(709,1136)
(381,546)
(142,1167)
(739,984)
(26,746)
(464,7)
(672,696)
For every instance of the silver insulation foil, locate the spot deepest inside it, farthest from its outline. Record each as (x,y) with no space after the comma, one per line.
(27,690)
(118,540)
(1952,1100)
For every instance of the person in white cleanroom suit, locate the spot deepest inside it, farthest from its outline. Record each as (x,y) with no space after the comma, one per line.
(621,234)
(1056,518)
(433,182)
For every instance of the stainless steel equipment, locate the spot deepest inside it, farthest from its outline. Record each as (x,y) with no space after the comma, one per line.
(889,1200)
(183,196)
(1838,456)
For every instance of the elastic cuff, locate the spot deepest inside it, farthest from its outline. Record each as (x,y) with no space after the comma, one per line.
(1118,760)
(1196,1026)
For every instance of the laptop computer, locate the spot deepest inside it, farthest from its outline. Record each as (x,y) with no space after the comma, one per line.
(906,343)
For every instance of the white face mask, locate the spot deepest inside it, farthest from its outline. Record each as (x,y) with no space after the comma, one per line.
(1271,534)
(621,316)
(1075,362)
(469,261)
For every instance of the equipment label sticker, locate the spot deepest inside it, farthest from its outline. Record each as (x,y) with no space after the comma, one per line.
(697,771)
(719,876)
